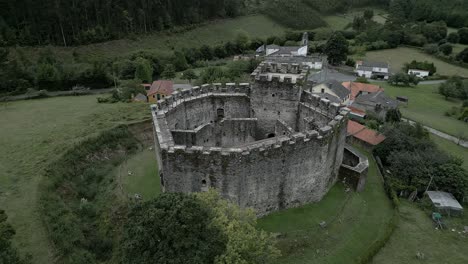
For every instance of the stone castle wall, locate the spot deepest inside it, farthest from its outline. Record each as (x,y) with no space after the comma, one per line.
(233,154)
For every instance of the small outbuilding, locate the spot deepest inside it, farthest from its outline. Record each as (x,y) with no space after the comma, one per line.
(445,203)
(419,73)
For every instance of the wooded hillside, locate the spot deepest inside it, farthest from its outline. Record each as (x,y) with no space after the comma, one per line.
(72,22)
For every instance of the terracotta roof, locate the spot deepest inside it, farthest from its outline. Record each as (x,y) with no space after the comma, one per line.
(365,134)
(356,88)
(161,87)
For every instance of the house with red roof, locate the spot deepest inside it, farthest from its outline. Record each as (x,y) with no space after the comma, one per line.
(159,90)
(358,89)
(363,136)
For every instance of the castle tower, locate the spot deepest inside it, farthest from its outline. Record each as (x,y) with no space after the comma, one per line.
(275,94)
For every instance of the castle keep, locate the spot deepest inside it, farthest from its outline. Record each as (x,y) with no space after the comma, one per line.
(268,145)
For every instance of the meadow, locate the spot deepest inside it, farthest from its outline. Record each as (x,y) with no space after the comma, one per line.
(452,148)
(354,221)
(35,133)
(399,56)
(428,107)
(416,233)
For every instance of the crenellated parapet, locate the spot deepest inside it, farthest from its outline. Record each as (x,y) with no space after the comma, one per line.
(322,105)
(280,72)
(196,92)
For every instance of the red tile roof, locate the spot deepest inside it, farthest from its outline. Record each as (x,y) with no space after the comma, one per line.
(356,88)
(365,134)
(161,87)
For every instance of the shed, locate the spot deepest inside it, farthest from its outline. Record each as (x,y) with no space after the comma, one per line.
(445,202)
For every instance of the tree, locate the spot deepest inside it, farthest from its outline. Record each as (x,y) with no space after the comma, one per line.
(173,228)
(463,56)
(463,34)
(179,61)
(368,14)
(206,52)
(446,49)
(189,75)
(393,116)
(452,178)
(169,72)
(454,87)
(336,49)
(403,79)
(143,70)
(453,38)
(246,243)
(8,253)
(242,40)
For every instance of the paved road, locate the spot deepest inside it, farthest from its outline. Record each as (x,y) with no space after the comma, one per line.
(441,134)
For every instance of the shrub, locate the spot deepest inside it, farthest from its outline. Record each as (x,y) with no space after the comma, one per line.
(453,37)
(463,35)
(446,49)
(431,48)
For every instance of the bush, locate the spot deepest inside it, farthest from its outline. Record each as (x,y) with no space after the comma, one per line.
(82,175)
(463,35)
(446,49)
(453,38)
(463,56)
(431,48)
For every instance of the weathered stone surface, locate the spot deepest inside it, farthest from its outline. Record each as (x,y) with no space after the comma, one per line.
(257,144)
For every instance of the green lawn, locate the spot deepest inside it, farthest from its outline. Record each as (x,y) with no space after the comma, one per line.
(354,221)
(340,21)
(452,148)
(214,32)
(416,233)
(457,48)
(33,133)
(139,175)
(399,56)
(428,107)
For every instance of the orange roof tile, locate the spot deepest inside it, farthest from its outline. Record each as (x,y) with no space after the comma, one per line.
(365,134)
(161,87)
(356,88)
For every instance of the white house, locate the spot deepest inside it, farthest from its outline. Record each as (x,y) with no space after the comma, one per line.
(332,88)
(379,70)
(287,51)
(419,73)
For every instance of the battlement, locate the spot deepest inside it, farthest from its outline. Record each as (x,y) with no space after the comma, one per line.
(280,72)
(322,105)
(229,89)
(297,139)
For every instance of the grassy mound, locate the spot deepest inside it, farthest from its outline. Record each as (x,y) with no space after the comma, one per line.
(78,202)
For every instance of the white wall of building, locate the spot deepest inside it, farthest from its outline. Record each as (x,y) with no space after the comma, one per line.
(419,73)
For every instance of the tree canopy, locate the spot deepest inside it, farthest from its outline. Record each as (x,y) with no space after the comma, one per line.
(194,228)
(337,49)
(174,228)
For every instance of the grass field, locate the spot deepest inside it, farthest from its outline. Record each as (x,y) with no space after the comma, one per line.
(453,149)
(138,175)
(354,221)
(340,21)
(214,32)
(416,233)
(428,107)
(457,48)
(399,56)
(33,134)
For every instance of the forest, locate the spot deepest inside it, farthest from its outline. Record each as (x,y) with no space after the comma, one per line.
(73,22)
